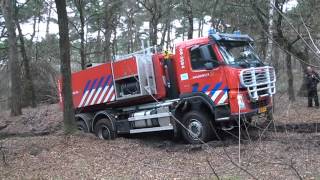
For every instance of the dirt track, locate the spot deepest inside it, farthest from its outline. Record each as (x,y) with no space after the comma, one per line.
(289,149)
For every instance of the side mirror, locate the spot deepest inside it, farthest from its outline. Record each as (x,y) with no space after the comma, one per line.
(88,65)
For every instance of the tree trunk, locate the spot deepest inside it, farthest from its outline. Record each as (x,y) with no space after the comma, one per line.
(36,46)
(276,56)
(82,40)
(64,44)
(31,97)
(33,29)
(48,18)
(290,78)
(109,25)
(98,48)
(189,14)
(80,5)
(156,13)
(137,42)
(153,31)
(128,44)
(201,30)
(169,37)
(107,44)
(268,59)
(14,66)
(114,43)
(200,20)
(303,88)
(164,31)
(264,43)
(130,31)
(190,28)
(213,14)
(183,29)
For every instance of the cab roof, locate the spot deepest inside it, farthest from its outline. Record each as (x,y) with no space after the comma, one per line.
(230,37)
(220,37)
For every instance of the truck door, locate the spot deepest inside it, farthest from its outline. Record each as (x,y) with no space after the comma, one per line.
(206,73)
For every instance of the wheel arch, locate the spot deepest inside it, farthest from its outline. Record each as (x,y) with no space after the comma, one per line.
(101,115)
(193,101)
(86,118)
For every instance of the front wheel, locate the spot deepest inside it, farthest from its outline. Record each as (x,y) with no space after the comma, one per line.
(103,129)
(197,127)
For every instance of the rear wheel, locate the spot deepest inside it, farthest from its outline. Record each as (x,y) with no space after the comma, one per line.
(82,126)
(197,127)
(103,129)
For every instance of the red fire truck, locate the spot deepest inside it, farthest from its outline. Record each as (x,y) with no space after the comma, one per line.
(207,83)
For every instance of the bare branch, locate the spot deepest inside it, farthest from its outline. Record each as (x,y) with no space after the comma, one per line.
(296,31)
(3,154)
(259,13)
(75,27)
(310,37)
(294,41)
(214,172)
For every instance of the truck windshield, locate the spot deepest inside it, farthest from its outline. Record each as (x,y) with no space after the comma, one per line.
(239,54)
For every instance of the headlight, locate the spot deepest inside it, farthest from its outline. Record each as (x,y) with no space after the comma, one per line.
(241,103)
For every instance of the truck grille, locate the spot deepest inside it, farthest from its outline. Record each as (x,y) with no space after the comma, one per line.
(259,81)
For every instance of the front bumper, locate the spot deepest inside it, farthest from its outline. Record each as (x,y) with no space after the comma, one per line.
(254,112)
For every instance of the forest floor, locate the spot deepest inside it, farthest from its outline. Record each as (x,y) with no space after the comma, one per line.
(33,146)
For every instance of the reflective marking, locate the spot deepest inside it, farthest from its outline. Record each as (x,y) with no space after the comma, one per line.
(87,86)
(107,81)
(109,93)
(92,90)
(83,98)
(90,96)
(97,92)
(223,98)
(105,88)
(113,97)
(85,93)
(216,87)
(205,88)
(195,87)
(215,95)
(102,94)
(96,96)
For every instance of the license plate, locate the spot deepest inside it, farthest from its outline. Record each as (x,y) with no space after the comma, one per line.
(262,109)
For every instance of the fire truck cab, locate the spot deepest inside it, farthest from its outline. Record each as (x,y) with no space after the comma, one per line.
(208,83)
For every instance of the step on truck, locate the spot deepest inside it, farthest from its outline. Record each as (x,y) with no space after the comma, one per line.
(209,83)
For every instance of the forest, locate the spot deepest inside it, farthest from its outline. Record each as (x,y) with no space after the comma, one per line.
(43,41)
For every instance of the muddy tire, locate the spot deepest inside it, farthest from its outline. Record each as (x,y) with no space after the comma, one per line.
(82,126)
(103,129)
(199,124)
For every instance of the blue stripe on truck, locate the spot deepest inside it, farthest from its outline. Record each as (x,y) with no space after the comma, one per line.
(87,86)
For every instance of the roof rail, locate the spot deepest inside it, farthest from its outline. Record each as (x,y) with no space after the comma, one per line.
(149,50)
